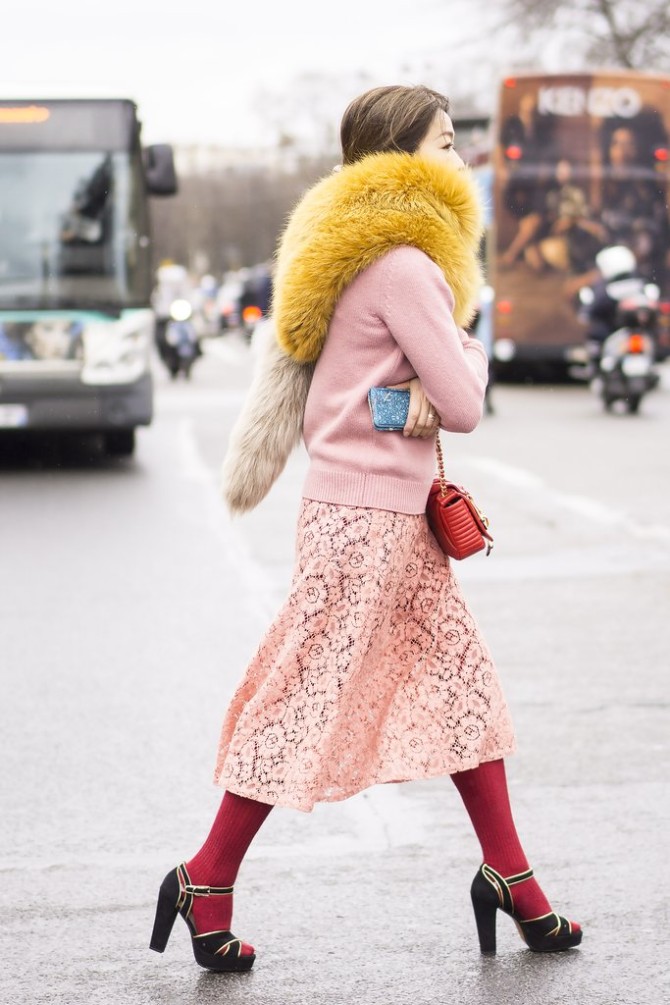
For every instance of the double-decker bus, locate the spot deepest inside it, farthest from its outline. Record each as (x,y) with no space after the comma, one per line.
(579,162)
(76,327)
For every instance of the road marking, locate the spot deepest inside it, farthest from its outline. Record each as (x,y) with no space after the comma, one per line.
(591,509)
(258,590)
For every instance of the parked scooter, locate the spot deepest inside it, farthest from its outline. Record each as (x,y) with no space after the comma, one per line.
(182,346)
(621,314)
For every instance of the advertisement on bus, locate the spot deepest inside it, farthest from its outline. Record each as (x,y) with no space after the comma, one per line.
(580,163)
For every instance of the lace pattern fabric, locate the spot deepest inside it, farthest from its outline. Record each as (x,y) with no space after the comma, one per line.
(373,670)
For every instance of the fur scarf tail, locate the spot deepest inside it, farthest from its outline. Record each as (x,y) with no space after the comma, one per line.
(268,428)
(341,226)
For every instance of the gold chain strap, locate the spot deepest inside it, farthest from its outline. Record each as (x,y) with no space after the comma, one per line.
(443,484)
(440,466)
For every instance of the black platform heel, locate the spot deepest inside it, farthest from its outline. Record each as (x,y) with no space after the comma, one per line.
(213,950)
(490,893)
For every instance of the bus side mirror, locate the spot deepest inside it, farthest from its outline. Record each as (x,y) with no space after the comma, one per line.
(159,169)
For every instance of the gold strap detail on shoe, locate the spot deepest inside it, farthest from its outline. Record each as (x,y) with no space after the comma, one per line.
(521,877)
(189,890)
(208,891)
(187,887)
(557,930)
(225,947)
(542,917)
(552,931)
(223,950)
(498,883)
(502,885)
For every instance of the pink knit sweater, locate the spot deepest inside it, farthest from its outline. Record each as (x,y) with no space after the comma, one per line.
(393,322)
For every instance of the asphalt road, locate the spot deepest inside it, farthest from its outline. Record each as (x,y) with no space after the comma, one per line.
(131,603)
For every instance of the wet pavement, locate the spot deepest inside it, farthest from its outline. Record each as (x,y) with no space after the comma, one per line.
(131,603)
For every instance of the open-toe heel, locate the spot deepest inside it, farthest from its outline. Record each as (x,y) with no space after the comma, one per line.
(490,893)
(219,950)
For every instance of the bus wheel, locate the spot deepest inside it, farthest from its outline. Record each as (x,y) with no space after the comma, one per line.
(120,443)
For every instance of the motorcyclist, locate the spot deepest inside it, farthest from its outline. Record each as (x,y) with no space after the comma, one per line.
(182,346)
(255,296)
(619,281)
(172,283)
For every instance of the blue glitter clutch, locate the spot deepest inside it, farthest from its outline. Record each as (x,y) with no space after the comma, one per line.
(389,407)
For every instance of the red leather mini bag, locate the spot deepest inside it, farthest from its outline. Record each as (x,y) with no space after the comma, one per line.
(459,526)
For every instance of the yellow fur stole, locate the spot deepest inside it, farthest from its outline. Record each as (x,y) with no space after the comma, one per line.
(342,225)
(352,217)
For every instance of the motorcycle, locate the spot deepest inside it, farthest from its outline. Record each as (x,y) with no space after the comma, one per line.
(251,316)
(623,366)
(621,313)
(182,347)
(254,300)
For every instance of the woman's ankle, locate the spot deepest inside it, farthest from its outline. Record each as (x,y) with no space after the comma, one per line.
(528,898)
(236,823)
(203,872)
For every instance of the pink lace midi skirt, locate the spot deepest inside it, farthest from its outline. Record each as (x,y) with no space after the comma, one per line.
(372,671)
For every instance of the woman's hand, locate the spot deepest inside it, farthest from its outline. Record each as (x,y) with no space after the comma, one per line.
(422,419)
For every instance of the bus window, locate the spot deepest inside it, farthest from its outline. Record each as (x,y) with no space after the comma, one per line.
(76,323)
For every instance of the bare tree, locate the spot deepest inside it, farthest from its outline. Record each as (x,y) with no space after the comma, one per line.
(634,34)
(231,217)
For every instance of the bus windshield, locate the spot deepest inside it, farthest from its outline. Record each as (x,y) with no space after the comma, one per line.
(72,230)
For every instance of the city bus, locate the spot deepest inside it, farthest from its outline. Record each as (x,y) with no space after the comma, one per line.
(579,162)
(76,327)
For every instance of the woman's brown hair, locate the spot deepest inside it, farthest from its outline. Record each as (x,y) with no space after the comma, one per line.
(389,118)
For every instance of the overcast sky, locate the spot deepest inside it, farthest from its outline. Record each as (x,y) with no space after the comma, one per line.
(197,74)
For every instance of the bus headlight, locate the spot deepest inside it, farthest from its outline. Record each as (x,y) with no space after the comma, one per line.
(504,350)
(486,294)
(117,352)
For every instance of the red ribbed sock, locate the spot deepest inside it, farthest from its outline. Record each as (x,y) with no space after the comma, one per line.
(237,822)
(484,793)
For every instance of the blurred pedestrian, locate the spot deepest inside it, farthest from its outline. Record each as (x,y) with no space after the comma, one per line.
(373,670)
(481,327)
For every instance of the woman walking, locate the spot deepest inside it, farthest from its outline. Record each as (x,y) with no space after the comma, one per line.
(374,670)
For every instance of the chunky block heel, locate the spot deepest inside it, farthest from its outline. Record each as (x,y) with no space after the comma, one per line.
(485,918)
(166,915)
(490,892)
(221,951)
